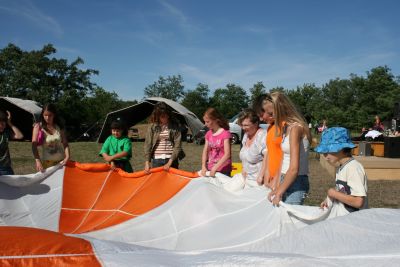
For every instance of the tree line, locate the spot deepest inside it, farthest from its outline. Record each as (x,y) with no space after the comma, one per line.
(40,76)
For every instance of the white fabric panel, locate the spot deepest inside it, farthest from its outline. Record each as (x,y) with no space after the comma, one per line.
(204,224)
(32,200)
(207,217)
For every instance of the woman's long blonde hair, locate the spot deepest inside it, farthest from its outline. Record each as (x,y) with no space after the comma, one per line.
(285,112)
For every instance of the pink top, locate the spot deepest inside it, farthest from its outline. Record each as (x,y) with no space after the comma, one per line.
(216,150)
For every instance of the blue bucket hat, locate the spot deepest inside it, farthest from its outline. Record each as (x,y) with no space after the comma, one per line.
(333,140)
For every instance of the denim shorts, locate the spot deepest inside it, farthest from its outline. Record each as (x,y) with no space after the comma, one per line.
(6,171)
(297,191)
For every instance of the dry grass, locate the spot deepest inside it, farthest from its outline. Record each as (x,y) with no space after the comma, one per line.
(382,194)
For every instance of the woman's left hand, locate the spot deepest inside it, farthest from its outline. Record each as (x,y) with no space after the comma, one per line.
(167,165)
(275,196)
(64,161)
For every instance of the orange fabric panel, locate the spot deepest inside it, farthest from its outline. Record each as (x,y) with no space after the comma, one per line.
(21,243)
(95,197)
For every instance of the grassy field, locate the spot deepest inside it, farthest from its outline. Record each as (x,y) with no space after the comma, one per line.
(382,194)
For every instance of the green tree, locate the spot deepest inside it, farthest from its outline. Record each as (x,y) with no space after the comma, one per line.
(375,95)
(38,76)
(230,100)
(307,99)
(197,100)
(170,88)
(338,98)
(257,90)
(99,103)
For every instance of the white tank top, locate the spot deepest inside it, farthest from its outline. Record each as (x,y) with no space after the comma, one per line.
(304,147)
(53,148)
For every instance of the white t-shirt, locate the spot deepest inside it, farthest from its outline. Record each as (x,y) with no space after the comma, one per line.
(352,180)
(252,156)
(304,147)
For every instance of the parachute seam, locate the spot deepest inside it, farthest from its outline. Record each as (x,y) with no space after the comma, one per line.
(94,202)
(204,222)
(126,201)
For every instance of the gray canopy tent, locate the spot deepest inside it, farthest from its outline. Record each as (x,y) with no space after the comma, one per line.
(137,113)
(24,113)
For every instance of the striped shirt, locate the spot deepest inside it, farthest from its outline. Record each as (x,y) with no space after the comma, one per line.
(164,146)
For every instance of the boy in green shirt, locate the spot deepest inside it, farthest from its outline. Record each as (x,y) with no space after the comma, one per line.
(117,149)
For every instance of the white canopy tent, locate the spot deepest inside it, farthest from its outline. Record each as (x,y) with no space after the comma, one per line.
(24,113)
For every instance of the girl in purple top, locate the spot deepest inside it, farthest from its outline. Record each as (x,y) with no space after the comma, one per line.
(216,155)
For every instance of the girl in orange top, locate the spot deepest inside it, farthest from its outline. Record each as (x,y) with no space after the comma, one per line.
(270,171)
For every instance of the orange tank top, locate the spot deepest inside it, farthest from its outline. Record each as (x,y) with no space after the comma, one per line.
(275,153)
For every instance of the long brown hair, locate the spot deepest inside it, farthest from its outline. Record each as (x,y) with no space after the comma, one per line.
(159,109)
(215,115)
(56,120)
(285,112)
(259,102)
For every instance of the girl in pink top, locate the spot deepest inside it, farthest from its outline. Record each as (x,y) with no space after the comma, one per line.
(216,155)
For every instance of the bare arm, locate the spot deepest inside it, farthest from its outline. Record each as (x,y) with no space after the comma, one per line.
(354,201)
(204,157)
(109,158)
(16,133)
(38,162)
(262,176)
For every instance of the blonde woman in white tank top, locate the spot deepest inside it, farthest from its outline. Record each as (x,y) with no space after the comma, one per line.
(294,184)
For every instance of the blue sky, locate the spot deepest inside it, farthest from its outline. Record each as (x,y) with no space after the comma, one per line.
(281,43)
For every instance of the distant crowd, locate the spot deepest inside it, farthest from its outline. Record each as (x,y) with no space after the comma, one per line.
(276,157)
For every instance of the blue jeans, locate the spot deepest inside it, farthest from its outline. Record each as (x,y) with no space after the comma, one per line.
(161,162)
(6,171)
(297,191)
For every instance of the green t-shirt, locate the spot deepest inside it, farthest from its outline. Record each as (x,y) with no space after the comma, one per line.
(114,146)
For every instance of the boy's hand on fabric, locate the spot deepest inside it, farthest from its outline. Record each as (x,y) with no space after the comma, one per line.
(324,204)
(107,158)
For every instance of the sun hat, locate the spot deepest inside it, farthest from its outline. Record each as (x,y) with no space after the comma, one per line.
(333,140)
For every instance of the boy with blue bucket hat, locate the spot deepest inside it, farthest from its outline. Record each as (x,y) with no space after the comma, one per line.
(351,180)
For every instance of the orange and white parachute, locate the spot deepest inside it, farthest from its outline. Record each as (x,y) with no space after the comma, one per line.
(91,215)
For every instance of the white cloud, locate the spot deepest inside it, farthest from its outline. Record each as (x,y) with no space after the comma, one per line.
(27,10)
(183,22)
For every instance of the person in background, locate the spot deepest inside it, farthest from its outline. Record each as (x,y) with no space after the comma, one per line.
(117,149)
(351,180)
(216,156)
(323,127)
(7,133)
(296,139)
(378,125)
(163,144)
(253,145)
(49,133)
